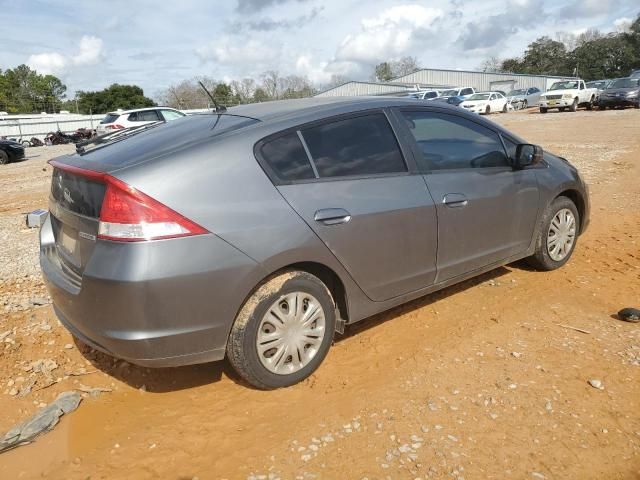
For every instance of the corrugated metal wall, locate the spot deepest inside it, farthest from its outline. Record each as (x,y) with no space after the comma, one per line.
(427,77)
(351,89)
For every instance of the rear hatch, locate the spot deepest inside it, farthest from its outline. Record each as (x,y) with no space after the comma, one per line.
(82,183)
(74,204)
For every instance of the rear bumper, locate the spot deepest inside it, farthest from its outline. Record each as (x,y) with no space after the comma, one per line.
(158,304)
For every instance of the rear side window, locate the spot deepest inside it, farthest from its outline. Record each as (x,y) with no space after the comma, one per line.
(109,118)
(357,146)
(148,116)
(451,142)
(287,158)
(171,115)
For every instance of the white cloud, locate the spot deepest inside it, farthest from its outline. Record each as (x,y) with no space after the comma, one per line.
(48,63)
(389,35)
(228,51)
(90,52)
(623,23)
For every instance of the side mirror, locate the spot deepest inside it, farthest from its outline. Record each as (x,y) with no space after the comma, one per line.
(528,154)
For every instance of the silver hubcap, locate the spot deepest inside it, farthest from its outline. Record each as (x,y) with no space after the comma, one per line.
(290,333)
(562,234)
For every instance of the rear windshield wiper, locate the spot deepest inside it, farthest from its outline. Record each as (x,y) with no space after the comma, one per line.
(109,138)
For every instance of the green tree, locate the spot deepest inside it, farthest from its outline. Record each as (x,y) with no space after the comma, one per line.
(260,95)
(116,96)
(23,90)
(546,56)
(605,57)
(383,72)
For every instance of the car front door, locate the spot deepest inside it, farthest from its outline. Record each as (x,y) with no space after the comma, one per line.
(486,209)
(349,180)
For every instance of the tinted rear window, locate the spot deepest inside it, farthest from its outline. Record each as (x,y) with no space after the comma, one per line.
(77,194)
(166,139)
(362,145)
(287,158)
(109,118)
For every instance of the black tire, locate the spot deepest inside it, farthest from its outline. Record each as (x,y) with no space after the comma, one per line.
(574,105)
(541,260)
(487,110)
(602,107)
(637,104)
(4,158)
(241,346)
(561,109)
(543,109)
(590,104)
(505,109)
(525,105)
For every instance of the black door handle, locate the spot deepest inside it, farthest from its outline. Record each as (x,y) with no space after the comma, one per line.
(332,216)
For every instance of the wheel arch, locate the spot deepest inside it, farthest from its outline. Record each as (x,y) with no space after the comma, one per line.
(576,197)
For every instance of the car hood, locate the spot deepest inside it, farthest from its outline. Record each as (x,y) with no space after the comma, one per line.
(613,91)
(560,92)
(516,97)
(10,142)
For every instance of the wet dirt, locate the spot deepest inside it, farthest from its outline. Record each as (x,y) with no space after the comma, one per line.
(487,379)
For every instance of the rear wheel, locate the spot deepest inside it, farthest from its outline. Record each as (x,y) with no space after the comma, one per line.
(557,236)
(4,158)
(525,105)
(505,109)
(561,109)
(283,331)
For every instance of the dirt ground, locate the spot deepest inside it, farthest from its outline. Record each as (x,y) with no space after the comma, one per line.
(483,380)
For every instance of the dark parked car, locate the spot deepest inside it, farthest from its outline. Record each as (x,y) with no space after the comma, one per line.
(10,151)
(622,92)
(257,233)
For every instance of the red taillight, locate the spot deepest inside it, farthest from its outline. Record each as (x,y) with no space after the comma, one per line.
(114,127)
(129,215)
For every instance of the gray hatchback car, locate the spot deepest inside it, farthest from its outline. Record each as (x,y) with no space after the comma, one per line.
(257,233)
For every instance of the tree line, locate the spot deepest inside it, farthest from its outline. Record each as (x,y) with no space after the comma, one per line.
(592,55)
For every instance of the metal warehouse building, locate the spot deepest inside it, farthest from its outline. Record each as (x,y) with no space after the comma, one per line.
(429,77)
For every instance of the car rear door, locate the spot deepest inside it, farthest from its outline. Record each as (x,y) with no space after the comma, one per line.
(486,209)
(350,181)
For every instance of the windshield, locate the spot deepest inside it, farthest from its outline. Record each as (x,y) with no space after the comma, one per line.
(450,93)
(625,83)
(564,86)
(479,96)
(514,93)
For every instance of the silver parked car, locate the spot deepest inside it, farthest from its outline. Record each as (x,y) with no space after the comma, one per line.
(257,233)
(524,97)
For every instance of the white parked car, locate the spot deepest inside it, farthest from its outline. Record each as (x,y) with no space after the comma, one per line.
(486,102)
(134,118)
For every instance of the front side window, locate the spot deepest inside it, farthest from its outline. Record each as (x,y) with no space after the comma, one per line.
(287,158)
(452,142)
(357,146)
(467,91)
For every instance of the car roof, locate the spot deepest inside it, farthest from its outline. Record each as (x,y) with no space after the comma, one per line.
(281,109)
(125,112)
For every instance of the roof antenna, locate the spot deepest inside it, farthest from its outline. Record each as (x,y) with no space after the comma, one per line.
(219,108)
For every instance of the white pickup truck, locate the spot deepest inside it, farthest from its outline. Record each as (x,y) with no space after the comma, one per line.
(569,94)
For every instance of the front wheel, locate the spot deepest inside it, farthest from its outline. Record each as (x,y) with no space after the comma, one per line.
(590,104)
(557,235)
(543,110)
(525,105)
(487,110)
(283,331)
(505,109)
(4,158)
(574,105)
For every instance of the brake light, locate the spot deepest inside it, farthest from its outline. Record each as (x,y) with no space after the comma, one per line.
(128,215)
(115,126)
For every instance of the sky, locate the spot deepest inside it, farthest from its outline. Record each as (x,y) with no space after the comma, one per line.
(153,44)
